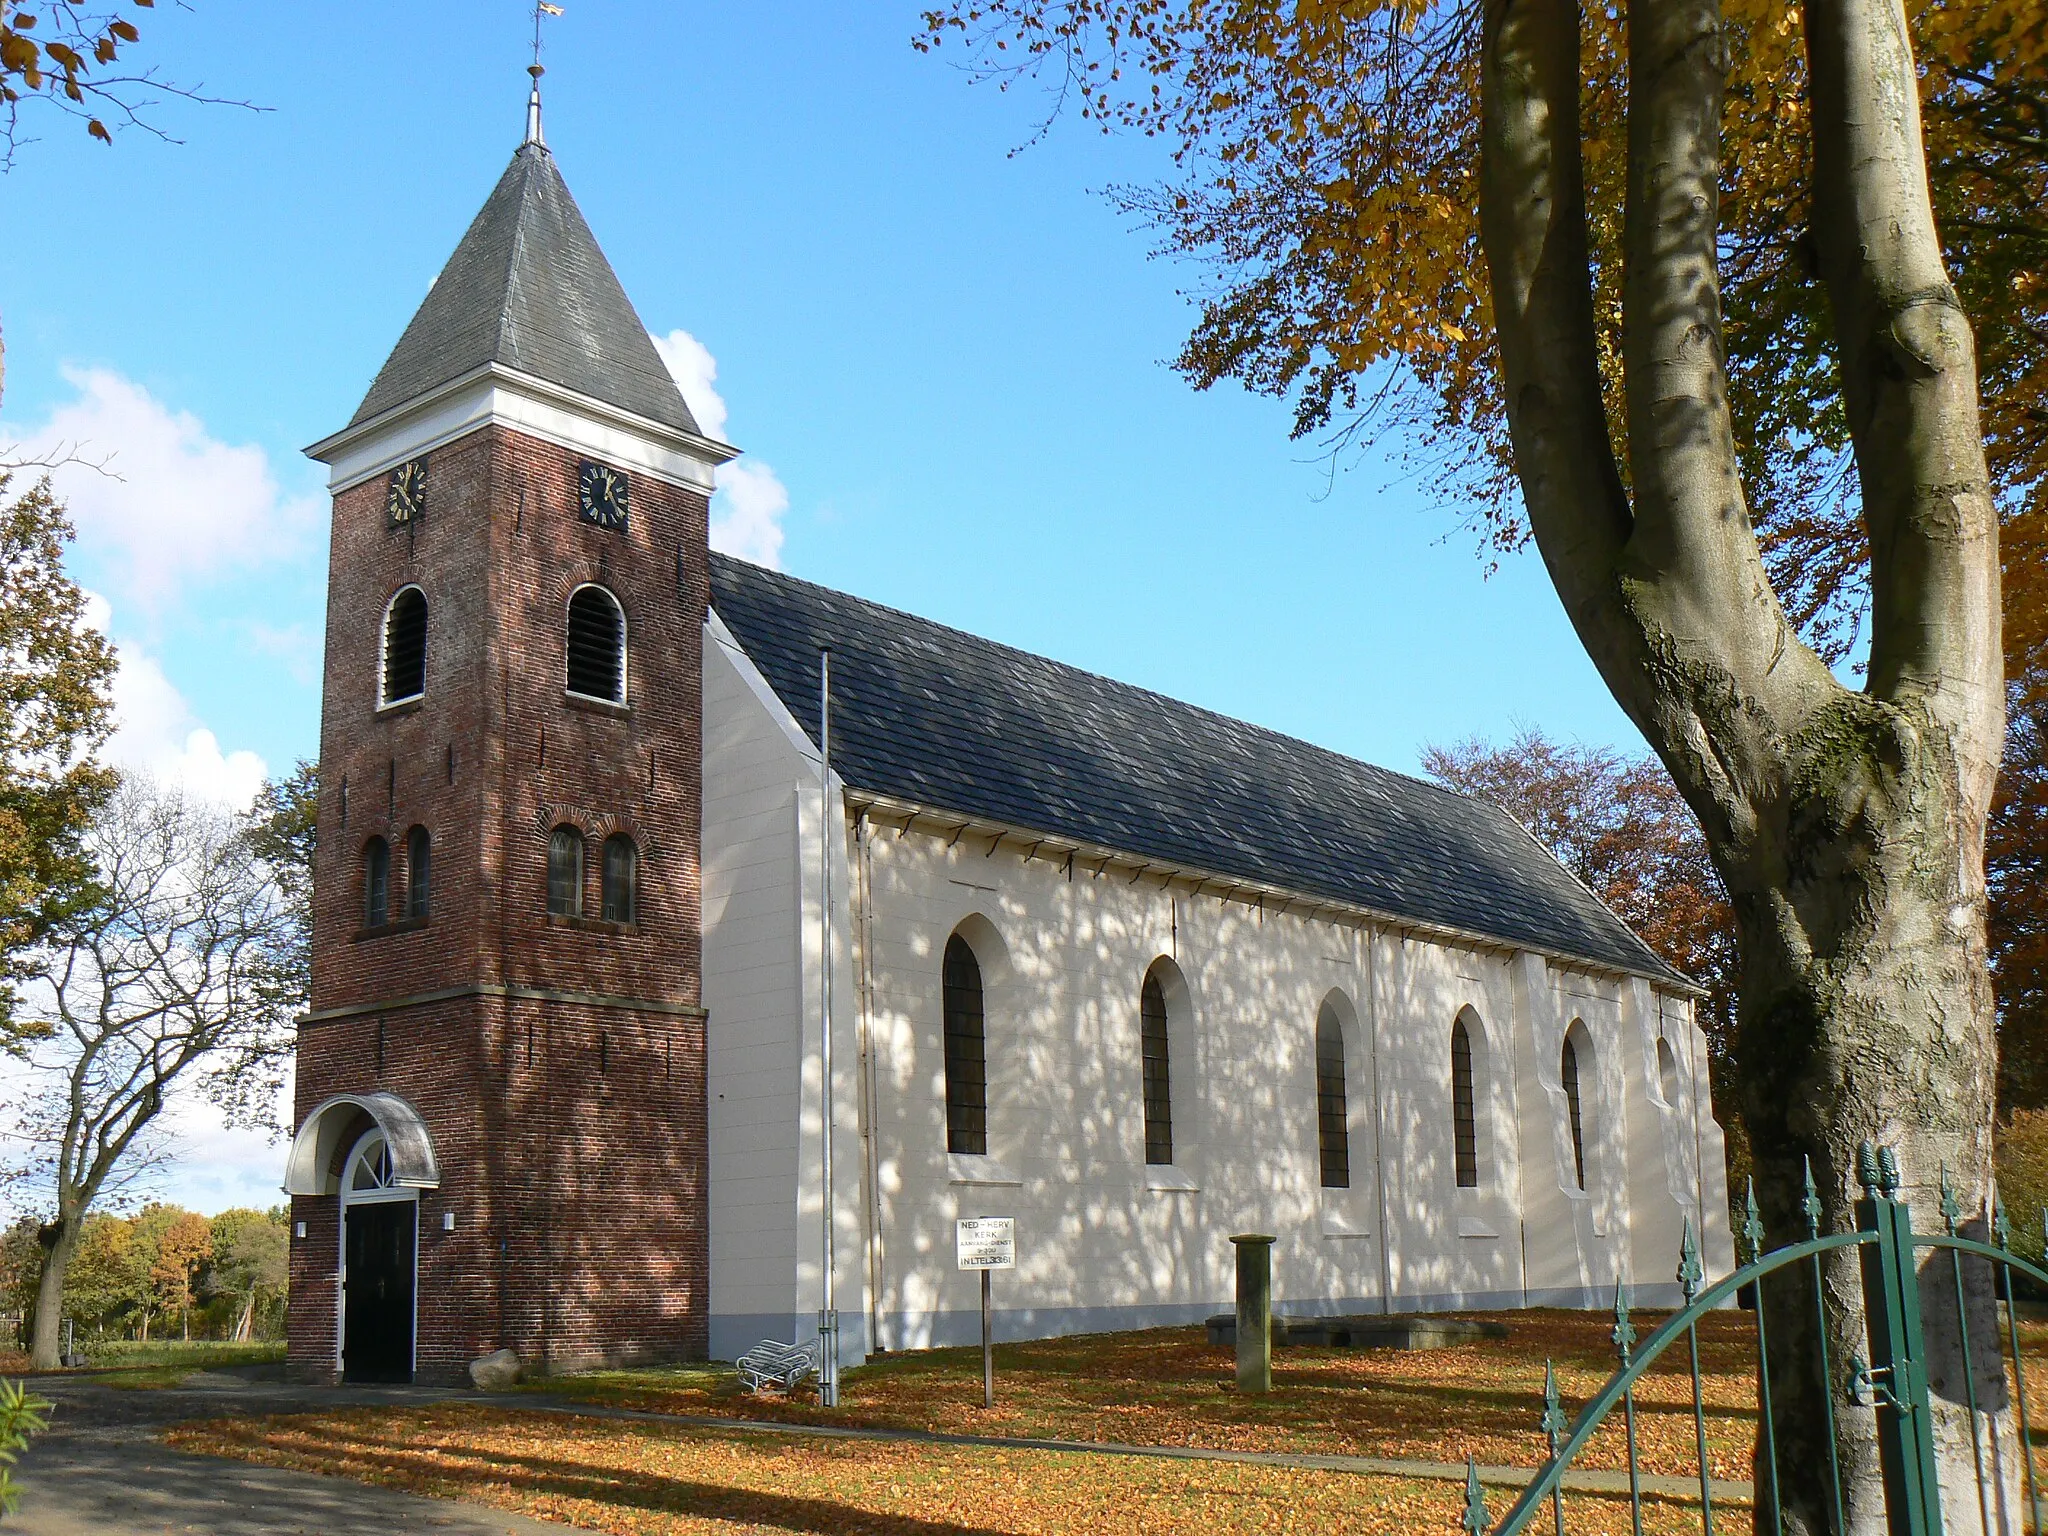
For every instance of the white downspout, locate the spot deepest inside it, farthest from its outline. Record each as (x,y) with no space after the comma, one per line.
(1379,1147)
(865,985)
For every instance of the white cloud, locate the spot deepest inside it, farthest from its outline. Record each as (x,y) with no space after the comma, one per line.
(174,506)
(746,514)
(155,729)
(695,371)
(747,510)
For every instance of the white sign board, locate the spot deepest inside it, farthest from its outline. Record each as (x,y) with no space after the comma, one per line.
(986,1242)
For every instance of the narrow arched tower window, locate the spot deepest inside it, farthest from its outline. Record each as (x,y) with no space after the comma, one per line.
(1158,1082)
(376,883)
(1333,1109)
(405,646)
(418,871)
(1568,1075)
(1667,1071)
(597,645)
(1464,1120)
(565,872)
(966,1052)
(621,878)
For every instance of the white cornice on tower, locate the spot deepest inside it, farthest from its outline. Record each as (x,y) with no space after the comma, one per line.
(493,394)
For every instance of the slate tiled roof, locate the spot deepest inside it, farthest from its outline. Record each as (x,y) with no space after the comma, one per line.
(930,715)
(529,288)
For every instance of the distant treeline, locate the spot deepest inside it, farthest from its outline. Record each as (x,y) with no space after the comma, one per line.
(163,1272)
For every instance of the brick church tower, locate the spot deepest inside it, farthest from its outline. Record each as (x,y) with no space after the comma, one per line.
(501,1080)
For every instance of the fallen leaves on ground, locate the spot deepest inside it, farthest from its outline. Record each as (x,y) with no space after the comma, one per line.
(1169,1386)
(640,1479)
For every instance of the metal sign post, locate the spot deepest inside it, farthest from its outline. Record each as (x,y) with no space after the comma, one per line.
(828,829)
(986,1243)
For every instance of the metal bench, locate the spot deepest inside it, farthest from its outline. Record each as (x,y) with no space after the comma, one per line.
(786,1365)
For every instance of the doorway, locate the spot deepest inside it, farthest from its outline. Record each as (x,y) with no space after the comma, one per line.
(379,1233)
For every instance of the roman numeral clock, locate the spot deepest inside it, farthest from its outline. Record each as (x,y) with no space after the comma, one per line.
(405,494)
(601,495)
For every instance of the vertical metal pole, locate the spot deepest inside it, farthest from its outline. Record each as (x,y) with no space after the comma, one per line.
(988,1348)
(828,1318)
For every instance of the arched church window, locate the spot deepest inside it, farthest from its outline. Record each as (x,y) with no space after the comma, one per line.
(1333,1108)
(418,871)
(1158,1084)
(966,1051)
(597,645)
(376,883)
(405,646)
(565,872)
(621,878)
(1568,1076)
(1667,1071)
(1464,1116)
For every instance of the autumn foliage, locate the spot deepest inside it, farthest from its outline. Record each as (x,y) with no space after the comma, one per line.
(56,674)
(1326,181)
(64,54)
(1619,825)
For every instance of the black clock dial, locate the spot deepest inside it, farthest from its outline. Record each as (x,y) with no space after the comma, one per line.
(601,495)
(405,498)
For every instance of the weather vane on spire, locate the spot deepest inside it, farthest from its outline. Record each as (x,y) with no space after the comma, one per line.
(540,8)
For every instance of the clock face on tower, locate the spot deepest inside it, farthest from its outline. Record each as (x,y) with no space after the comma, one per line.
(601,495)
(405,498)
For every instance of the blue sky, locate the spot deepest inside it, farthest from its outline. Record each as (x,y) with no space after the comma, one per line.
(948,358)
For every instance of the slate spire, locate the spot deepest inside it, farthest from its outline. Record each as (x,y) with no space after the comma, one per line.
(528,288)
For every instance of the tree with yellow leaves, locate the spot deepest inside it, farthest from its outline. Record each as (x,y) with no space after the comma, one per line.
(1671,269)
(175,1242)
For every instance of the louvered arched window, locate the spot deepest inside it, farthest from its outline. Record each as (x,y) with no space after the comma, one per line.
(565,872)
(1464,1116)
(1667,1071)
(621,885)
(966,1051)
(405,647)
(597,645)
(418,871)
(1333,1106)
(1158,1081)
(1568,1076)
(376,883)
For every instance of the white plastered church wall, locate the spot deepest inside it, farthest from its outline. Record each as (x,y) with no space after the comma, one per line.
(1104,1241)
(763,1001)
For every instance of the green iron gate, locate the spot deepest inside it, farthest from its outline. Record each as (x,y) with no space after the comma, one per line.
(1893,1380)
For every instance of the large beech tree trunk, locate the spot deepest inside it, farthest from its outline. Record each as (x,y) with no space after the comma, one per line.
(1848,825)
(60,1241)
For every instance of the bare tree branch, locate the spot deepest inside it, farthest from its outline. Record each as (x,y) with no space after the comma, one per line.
(159,986)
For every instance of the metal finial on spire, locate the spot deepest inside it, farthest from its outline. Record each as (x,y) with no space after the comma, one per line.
(533,135)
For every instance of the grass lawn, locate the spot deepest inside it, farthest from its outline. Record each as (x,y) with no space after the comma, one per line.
(1170,1387)
(160,1362)
(197,1355)
(638,1478)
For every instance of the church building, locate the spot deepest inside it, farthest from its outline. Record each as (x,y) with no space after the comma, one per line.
(589,898)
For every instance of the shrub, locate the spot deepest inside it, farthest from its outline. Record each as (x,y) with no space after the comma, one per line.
(21,1416)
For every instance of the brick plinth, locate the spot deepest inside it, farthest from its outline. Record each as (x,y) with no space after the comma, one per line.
(557,1064)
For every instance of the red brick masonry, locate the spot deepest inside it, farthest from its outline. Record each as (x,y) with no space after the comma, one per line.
(558,1064)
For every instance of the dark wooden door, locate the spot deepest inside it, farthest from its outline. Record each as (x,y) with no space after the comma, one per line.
(376,1338)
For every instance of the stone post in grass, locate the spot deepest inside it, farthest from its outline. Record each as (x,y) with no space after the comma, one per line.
(1254,1311)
